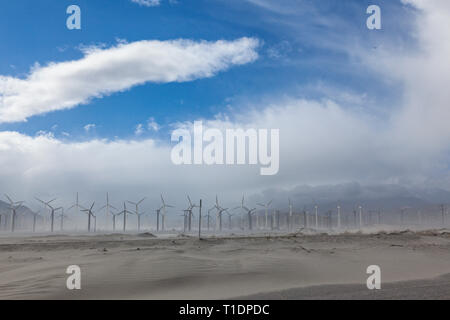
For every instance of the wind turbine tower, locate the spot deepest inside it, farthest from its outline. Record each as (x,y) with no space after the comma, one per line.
(137,211)
(13,206)
(266,212)
(52,211)
(164,211)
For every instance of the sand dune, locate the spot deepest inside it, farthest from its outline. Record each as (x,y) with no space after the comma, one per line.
(141,266)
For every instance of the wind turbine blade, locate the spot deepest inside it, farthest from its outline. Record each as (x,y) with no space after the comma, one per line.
(269,203)
(39,200)
(9,199)
(92,205)
(141,200)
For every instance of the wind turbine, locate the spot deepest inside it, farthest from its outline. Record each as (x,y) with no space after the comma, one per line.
(107,206)
(360,217)
(443,209)
(339,216)
(185,217)
(13,206)
(158,212)
(316,213)
(76,205)
(230,215)
(137,211)
(124,212)
(220,210)
(62,216)
(114,215)
(190,207)
(35,215)
(266,208)
(208,216)
(290,214)
(90,214)
(305,218)
(163,207)
(52,211)
(250,212)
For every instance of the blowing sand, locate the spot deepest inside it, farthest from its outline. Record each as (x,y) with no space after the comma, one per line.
(296,266)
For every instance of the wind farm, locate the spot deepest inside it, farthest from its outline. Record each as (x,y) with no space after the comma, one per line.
(294,237)
(254,149)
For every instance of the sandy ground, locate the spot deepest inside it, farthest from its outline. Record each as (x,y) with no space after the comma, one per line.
(296,266)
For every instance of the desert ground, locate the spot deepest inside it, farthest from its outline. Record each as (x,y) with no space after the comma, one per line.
(302,265)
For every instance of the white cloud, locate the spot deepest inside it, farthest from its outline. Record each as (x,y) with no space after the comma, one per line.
(147,3)
(102,72)
(139,129)
(152,124)
(89,127)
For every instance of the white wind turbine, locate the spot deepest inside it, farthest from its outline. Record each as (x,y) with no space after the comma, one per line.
(108,208)
(62,216)
(90,214)
(52,211)
(219,210)
(76,205)
(35,216)
(185,218)
(208,217)
(114,215)
(339,216)
(13,206)
(290,214)
(190,213)
(360,216)
(158,213)
(316,214)
(163,207)
(124,212)
(230,216)
(266,213)
(137,211)
(250,212)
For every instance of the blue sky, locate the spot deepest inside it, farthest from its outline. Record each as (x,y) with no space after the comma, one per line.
(298,50)
(352,104)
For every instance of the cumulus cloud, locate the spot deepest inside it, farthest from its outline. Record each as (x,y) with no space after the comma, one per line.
(103,71)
